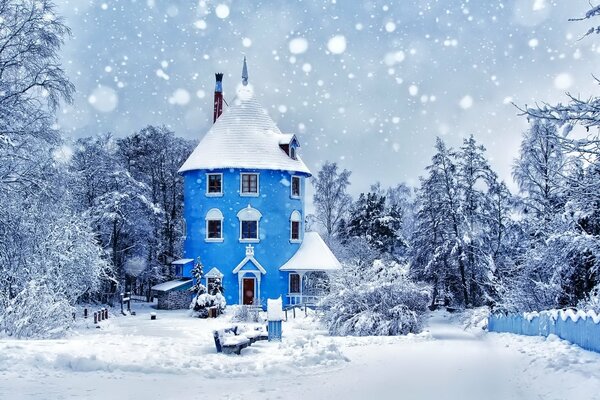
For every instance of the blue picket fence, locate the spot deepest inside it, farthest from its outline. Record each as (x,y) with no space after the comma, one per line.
(578,327)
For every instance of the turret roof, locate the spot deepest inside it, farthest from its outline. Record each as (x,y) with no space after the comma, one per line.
(244,136)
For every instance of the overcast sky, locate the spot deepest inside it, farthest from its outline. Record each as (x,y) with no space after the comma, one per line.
(368,84)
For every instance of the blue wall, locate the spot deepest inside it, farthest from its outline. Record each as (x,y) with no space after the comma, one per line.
(583,332)
(274,249)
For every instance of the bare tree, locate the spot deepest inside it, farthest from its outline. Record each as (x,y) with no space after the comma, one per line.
(331,199)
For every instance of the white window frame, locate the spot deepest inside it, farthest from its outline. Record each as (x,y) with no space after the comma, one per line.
(219,194)
(249,214)
(292,195)
(213,217)
(290,283)
(293,152)
(250,194)
(296,216)
(250,240)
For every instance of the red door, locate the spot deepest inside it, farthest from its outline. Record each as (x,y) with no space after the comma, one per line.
(248,291)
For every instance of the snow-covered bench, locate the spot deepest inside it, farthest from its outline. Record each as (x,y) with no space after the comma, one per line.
(231,341)
(256,335)
(227,341)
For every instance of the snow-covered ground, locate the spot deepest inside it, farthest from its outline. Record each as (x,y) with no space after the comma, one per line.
(173,357)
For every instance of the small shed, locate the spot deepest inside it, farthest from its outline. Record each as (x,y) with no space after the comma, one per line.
(173,295)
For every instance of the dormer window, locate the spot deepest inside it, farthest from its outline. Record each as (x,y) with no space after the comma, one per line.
(214,184)
(249,184)
(289,144)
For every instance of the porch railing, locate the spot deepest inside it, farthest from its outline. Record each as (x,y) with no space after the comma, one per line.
(302,299)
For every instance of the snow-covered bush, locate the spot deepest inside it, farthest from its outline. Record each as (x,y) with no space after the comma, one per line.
(202,302)
(379,300)
(245,314)
(37,311)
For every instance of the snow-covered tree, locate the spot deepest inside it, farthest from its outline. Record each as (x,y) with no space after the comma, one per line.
(49,255)
(460,228)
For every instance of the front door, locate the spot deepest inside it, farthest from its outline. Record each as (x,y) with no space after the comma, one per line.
(248,291)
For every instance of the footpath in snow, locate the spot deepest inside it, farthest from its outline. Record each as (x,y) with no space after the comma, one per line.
(174,357)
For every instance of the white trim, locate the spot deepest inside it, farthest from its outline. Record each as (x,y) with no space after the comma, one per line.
(296,217)
(290,283)
(214,273)
(214,214)
(250,240)
(241,276)
(292,195)
(215,194)
(249,214)
(250,194)
(253,261)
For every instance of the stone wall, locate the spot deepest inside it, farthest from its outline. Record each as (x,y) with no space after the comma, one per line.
(174,300)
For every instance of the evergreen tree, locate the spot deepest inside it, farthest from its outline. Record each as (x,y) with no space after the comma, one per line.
(197,273)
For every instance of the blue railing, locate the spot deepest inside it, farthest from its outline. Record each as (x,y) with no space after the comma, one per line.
(578,327)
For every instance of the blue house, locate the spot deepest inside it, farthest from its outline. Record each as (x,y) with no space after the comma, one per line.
(244,212)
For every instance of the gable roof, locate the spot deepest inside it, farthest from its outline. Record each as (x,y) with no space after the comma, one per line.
(244,136)
(313,255)
(249,259)
(176,284)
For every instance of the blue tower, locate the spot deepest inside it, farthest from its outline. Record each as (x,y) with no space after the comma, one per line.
(244,187)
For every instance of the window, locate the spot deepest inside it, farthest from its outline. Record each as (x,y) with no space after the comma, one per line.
(249,229)
(295,220)
(294,283)
(249,184)
(214,230)
(295,186)
(214,225)
(295,230)
(293,152)
(214,184)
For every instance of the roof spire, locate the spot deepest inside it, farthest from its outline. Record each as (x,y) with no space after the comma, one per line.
(245,73)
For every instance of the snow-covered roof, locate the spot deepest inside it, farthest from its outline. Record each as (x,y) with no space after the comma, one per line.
(313,255)
(244,136)
(214,273)
(170,285)
(182,261)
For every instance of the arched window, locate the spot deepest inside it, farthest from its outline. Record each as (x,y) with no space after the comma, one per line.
(249,224)
(295,220)
(214,225)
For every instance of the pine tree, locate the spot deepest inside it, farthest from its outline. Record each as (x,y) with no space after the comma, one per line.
(197,273)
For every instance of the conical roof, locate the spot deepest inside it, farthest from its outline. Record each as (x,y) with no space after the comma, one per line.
(244,136)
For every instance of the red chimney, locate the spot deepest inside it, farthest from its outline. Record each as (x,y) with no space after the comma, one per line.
(218,97)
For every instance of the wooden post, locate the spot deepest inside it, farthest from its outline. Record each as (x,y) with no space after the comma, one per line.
(106,313)
(95,317)
(85,313)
